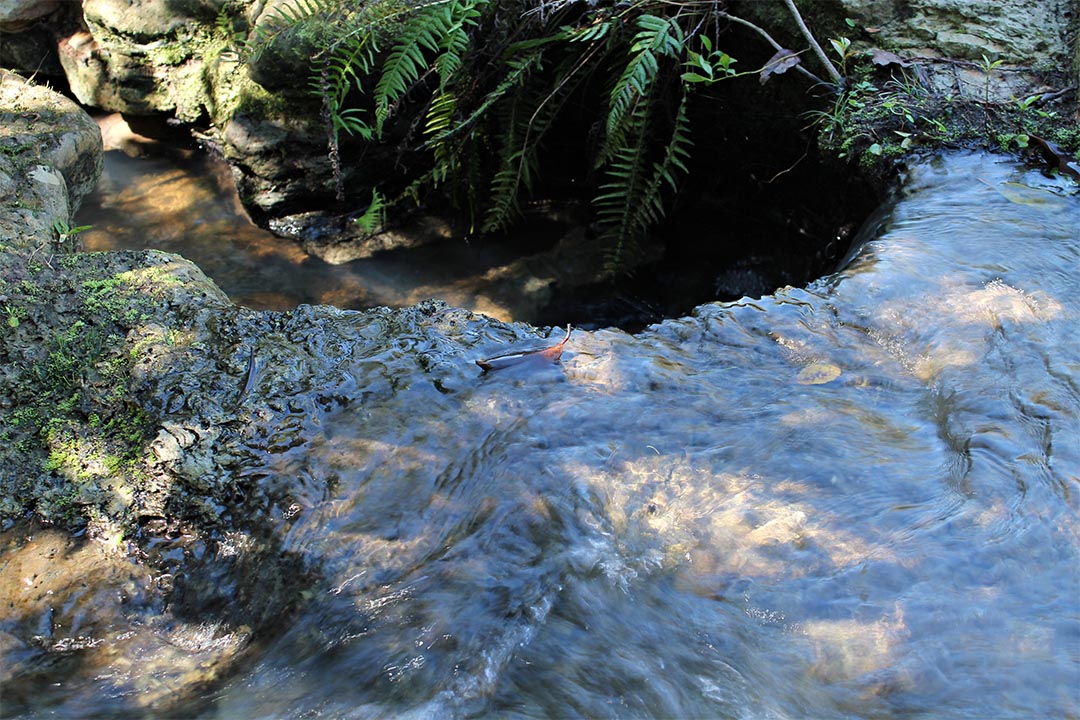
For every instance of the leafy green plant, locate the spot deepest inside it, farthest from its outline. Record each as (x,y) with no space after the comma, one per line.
(707,67)
(842,47)
(474,116)
(14,315)
(375,216)
(988,66)
(65,232)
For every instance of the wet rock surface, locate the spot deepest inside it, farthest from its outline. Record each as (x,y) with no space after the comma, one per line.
(135,397)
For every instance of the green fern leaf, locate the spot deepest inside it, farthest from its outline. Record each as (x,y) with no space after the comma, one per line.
(505,189)
(631,200)
(455,40)
(375,215)
(518,72)
(340,73)
(590,33)
(532,117)
(440,115)
(656,37)
(440,118)
(439,28)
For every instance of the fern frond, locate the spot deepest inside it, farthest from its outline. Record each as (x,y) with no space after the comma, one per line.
(406,61)
(657,36)
(375,215)
(440,118)
(617,208)
(515,172)
(455,41)
(676,152)
(518,72)
(591,33)
(440,114)
(439,28)
(522,142)
(516,163)
(284,18)
(342,70)
(632,200)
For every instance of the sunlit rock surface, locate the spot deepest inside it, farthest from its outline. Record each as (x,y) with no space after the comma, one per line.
(950,38)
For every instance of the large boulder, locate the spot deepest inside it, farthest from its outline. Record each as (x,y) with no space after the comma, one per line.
(43,175)
(1030,40)
(279,161)
(143,57)
(1019,31)
(16,15)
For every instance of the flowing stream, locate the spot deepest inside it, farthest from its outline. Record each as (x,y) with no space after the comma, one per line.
(858,499)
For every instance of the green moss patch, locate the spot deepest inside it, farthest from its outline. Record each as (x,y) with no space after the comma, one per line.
(76,434)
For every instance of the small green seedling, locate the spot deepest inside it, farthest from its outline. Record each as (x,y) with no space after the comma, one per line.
(65,232)
(13,315)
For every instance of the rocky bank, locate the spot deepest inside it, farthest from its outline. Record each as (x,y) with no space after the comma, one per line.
(130,376)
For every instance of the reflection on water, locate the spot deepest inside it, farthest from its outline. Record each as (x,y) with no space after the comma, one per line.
(549,271)
(853,500)
(188,205)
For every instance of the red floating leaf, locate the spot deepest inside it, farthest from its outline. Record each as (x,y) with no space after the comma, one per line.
(550,354)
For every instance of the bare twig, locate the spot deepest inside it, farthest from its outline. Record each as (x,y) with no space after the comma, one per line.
(1048,96)
(833,73)
(769,39)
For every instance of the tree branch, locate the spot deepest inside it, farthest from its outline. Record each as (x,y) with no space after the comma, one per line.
(814,44)
(769,39)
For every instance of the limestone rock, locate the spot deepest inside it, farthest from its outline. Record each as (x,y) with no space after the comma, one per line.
(278,164)
(1016,31)
(1030,38)
(18,14)
(31,50)
(149,20)
(142,58)
(72,148)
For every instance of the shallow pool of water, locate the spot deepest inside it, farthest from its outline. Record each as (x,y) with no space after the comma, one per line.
(183,201)
(549,269)
(858,499)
